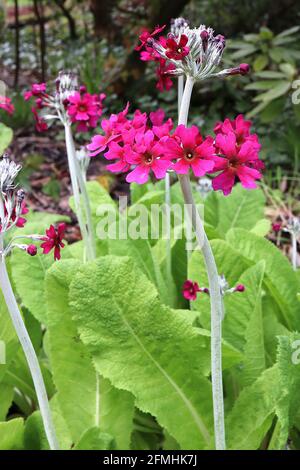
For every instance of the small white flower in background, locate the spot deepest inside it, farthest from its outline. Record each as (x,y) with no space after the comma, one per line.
(204,187)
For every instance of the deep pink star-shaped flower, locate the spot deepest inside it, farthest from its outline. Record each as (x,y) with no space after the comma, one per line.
(6,104)
(53,240)
(190,290)
(146,35)
(177,50)
(190,151)
(237,161)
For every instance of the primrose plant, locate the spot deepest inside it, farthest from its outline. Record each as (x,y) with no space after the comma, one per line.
(145,146)
(12,210)
(70,104)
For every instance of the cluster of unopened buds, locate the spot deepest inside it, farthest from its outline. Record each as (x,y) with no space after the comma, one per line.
(191,289)
(194,52)
(12,209)
(70,103)
(146,144)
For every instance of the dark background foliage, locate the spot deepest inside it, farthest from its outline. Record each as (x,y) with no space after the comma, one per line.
(40,37)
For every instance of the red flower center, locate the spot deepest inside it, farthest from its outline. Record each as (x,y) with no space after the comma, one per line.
(148,158)
(189,155)
(233,164)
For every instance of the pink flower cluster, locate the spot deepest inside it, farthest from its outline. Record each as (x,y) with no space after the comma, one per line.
(173,50)
(237,155)
(143,144)
(6,104)
(84,109)
(134,143)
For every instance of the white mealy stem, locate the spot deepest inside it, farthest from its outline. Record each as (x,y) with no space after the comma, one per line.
(29,352)
(168,225)
(214,287)
(81,200)
(180,90)
(294,251)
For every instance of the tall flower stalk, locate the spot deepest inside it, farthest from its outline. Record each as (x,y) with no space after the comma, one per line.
(11,209)
(146,145)
(71,105)
(214,287)
(81,199)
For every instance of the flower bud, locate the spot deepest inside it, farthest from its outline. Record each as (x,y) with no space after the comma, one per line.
(240,288)
(244,69)
(32,250)
(276,227)
(204,35)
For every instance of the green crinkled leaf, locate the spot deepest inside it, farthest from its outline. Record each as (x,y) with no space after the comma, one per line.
(152,197)
(253,411)
(11,434)
(262,227)
(142,254)
(240,209)
(116,413)
(275,392)
(143,348)
(288,360)
(79,386)
(34,433)
(77,377)
(178,264)
(6,398)
(6,136)
(28,274)
(100,202)
(95,439)
(280,279)
(226,259)
(10,343)
(272,328)
(254,349)
(18,375)
(240,306)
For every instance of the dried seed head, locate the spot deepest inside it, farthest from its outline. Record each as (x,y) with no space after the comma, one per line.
(8,173)
(66,84)
(205,52)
